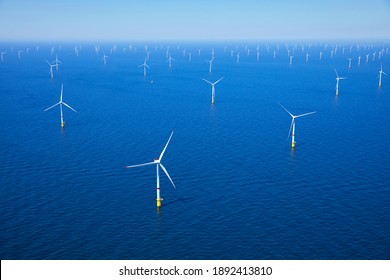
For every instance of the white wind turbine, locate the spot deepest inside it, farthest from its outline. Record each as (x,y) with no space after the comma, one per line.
(19,54)
(56,62)
(61,103)
(2,55)
(292,126)
(144,65)
(211,65)
(380,76)
(349,63)
(337,81)
(307,57)
(212,88)
(51,69)
(105,58)
(170,60)
(158,164)
(291,59)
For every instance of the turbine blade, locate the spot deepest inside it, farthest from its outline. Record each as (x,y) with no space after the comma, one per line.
(166,145)
(207,81)
(218,81)
(142,164)
(166,173)
(147,66)
(286,110)
(292,122)
(305,114)
(69,107)
(337,75)
(52,106)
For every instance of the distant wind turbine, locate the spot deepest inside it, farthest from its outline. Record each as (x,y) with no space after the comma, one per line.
(307,57)
(105,58)
(170,60)
(19,54)
(291,59)
(144,65)
(61,103)
(212,88)
(292,126)
(56,62)
(337,82)
(380,76)
(211,65)
(51,69)
(159,165)
(2,55)
(349,63)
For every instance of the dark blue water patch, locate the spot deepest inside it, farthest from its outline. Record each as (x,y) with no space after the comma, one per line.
(242,192)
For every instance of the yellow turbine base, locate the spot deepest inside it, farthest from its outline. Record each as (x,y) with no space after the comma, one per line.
(158,202)
(62,124)
(293,145)
(337,93)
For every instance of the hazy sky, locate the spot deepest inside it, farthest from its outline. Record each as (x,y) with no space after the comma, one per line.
(129,20)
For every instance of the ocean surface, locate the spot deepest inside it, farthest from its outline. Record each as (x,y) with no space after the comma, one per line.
(241,191)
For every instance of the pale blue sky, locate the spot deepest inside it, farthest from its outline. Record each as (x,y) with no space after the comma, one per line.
(194,20)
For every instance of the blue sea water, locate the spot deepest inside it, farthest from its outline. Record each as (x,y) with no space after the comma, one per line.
(242,192)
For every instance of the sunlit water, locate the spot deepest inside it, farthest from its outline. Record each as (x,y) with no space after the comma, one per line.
(242,192)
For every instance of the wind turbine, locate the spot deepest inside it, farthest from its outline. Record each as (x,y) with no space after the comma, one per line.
(307,57)
(19,54)
(56,62)
(292,126)
(211,65)
(337,82)
(291,59)
(170,60)
(2,55)
(349,63)
(105,58)
(212,88)
(158,164)
(61,103)
(51,69)
(144,65)
(380,76)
